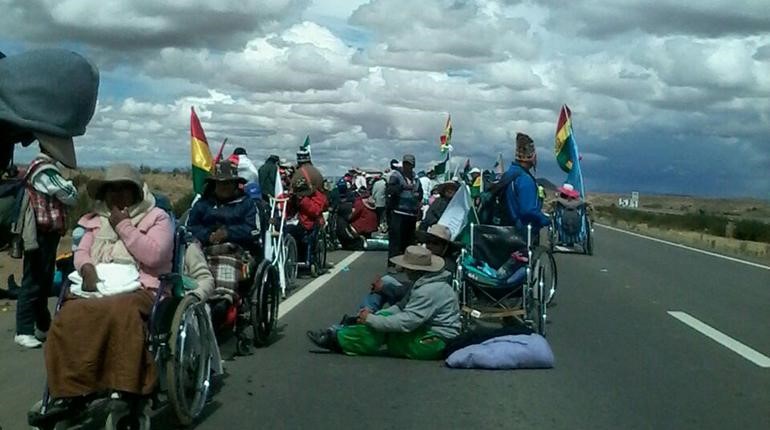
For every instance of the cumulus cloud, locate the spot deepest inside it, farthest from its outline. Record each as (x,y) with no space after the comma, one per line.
(680,90)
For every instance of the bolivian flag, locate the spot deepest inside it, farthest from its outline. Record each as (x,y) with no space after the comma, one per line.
(564,141)
(202,161)
(567,155)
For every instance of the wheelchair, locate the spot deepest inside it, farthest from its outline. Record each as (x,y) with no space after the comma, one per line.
(311,248)
(571,226)
(179,337)
(520,296)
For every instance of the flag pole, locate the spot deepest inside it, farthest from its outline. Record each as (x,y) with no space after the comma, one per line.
(219,154)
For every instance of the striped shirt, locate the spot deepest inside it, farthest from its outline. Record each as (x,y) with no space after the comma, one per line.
(52,183)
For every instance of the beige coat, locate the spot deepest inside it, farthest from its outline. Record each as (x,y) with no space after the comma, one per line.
(197,268)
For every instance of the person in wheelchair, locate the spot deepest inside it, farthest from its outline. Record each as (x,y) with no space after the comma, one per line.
(419,330)
(307,204)
(97,340)
(226,223)
(224,214)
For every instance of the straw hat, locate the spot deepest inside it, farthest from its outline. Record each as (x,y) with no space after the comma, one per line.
(419,259)
(116,173)
(437,233)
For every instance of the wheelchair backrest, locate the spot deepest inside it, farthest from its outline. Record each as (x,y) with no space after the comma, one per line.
(494,244)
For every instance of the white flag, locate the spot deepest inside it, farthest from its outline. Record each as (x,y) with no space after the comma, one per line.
(278,183)
(456,214)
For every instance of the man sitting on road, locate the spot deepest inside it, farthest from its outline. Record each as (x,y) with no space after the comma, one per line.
(430,317)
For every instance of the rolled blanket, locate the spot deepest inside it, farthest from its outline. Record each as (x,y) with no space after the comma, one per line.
(114,279)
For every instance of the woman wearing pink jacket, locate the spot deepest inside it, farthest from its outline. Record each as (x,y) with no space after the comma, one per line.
(97,343)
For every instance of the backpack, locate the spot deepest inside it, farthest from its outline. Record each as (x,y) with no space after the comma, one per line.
(570,220)
(492,208)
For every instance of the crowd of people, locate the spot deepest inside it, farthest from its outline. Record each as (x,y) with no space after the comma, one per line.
(125,244)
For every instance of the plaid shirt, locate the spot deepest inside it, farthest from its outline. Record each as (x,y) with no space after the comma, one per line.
(50,212)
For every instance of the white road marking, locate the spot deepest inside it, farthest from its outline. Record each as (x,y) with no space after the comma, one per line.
(689,248)
(744,351)
(295,299)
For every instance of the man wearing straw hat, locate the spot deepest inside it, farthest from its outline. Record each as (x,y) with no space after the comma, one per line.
(419,330)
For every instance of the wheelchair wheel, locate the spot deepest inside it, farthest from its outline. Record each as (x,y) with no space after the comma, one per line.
(318,265)
(188,369)
(265,295)
(589,243)
(290,259)
(548,275)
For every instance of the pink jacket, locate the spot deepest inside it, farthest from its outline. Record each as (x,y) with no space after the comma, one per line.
(151,243)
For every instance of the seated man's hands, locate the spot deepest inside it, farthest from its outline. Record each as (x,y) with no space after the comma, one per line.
(218,236)
(362,315)
(90,278)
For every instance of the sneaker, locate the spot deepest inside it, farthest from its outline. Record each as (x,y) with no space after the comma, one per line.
(325,339)
(41,335)
(27,341)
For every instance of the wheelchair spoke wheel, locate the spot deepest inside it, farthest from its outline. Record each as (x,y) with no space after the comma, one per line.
(589,244)
(290,259)
(264,304)
(545,272)
(188,369)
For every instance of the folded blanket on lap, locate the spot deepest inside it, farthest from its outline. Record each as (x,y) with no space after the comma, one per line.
(505,352)
(114,279)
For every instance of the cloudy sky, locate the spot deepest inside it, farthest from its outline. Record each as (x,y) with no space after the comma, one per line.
(666,97)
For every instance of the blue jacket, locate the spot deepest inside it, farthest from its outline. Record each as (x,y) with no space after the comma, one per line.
(521,200)
(240,217)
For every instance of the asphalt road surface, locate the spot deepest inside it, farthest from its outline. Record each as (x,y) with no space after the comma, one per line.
(623,361)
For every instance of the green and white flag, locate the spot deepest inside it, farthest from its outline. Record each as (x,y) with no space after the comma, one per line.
(306,145)
(459,214)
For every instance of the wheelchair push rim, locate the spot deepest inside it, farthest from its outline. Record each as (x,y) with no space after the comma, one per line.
(264,303)
(188,369)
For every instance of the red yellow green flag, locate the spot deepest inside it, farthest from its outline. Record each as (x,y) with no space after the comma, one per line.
(202,161)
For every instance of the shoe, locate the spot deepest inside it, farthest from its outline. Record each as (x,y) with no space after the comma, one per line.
(27,341)
(41,335)
(349,320)
(325,339)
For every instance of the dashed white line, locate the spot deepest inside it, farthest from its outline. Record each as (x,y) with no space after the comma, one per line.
(295,299)
(689,248)
(739,348)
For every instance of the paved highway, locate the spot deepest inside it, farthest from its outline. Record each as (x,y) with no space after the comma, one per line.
(646,336)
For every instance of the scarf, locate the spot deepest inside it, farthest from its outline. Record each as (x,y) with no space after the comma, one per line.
(107,246)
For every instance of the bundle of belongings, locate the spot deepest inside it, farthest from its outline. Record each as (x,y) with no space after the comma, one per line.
(503,348)
(114,279)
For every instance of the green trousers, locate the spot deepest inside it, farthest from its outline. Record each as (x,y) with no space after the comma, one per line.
(360,339)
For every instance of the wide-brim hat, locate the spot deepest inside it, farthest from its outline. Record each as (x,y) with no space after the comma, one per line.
(440,188)
(419,259)
(224,172)
(437,233)
(116,173)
